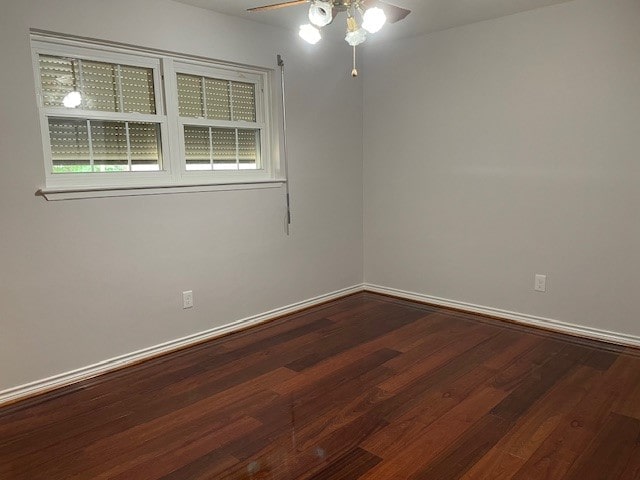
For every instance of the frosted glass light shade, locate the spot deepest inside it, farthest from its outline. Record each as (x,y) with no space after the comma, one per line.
(356,37)
(374,19)
(310,34)
(320,13)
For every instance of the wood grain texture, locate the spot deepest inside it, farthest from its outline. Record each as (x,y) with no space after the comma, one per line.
(365,387)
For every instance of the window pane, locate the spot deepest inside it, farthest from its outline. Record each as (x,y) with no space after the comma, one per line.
(99,86)
(72,152)
(244,101)
(137,89)
(58,76)
(109,141)
(111,151)
(249,149)
(197,148)
(98,83)
(190,102)
(144,141)
(221,148)
(220,100)
(69,145)
(218,104)
(224,149)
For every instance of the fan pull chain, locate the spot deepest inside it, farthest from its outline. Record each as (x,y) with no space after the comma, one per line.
(354,72)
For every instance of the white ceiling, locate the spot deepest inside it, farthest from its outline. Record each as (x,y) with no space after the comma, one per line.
(427,15)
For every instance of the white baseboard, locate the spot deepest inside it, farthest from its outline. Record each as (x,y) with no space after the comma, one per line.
(14,394)
(521,318)
(64,379)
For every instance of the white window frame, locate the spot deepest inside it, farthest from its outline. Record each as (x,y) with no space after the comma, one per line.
(259,79)
(173,176)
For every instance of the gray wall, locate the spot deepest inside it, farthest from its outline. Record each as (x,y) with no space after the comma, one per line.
(508,148)
(86,280)
(519,155)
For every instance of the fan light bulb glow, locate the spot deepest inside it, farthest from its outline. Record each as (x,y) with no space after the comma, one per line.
(356,37)
(321,13)
(72,100)
(310,34)
(374,19)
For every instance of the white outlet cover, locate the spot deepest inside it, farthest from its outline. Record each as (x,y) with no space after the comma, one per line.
(187,299)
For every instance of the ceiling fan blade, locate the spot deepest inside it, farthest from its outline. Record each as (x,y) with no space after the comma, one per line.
(277,6)
(394,13)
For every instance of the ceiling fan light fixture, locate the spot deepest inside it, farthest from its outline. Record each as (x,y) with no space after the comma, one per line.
(310,34)
(373,13)
(356,38)
(355,34)
(321,13)
(374,19)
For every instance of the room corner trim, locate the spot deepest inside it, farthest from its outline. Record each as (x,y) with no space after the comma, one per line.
(516,317)
(39,387)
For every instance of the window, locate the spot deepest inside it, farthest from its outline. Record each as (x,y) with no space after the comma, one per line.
(113,117)
(220,120)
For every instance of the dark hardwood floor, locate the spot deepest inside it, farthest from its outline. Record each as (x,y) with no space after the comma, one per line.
(366,387)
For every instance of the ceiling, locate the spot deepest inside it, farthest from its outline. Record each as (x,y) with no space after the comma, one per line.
(427,15)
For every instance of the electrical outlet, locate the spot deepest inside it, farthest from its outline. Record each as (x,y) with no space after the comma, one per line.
(540,284)
(187,299)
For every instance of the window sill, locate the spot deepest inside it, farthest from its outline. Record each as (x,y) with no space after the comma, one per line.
(68,193)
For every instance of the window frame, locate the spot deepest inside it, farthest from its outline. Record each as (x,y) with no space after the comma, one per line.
(259,79)
(94,179)
(173,172)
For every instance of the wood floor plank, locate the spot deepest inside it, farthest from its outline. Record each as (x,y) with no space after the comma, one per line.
(547,413)
(161,433)
(511,452)
(366,386)
(431,406)
(351,465)
(495,465)
(426,358)
(403,401)
(539,383)
(611,450)
(628,387)
(67,419)
(155,403)
(301,412)
(555,456)
(470,447)
(527,365)
(308,451)
(380,322)
(147,462)
(424,327)
(427,442)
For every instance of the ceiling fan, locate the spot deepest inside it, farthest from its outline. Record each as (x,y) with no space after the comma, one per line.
(363,17)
